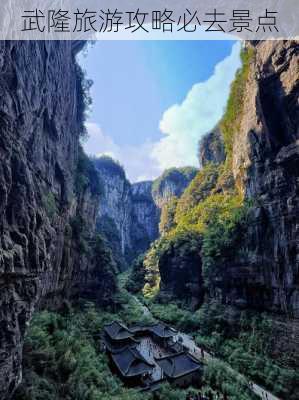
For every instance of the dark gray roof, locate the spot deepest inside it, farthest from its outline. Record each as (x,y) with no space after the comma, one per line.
(117,331)
(131,363)
(177,365)
(115,346)
(176,347)
(159,329)
(162,330)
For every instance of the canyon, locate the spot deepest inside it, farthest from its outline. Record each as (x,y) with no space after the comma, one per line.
(54,200)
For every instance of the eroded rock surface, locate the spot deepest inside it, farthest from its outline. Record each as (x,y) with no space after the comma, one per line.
(40,123)
(211,148)
(264,273)
(129,214)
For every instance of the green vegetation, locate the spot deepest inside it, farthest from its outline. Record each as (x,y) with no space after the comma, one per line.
(84,99)
(107,227)
(63,360)
(109,164)
(50,205)
(80,233)
(103,285)
(136,279)
(175,316)
(247,346)
(227,223)
(216,207)
(200,188)
(198,229)
(151,275)
(179,176)
(167,216)
(230,122)
(86,175)
(218,375)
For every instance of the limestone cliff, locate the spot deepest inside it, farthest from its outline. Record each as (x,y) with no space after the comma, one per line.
(172,183)
(264,271)
(42,259)
(129,214)
(211,148)
(266,163)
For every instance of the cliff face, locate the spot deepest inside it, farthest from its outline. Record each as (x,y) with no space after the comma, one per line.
(146,214)
(266,163)
(264,273)
(211,148)
(40,122)
(129,214)
(172,183)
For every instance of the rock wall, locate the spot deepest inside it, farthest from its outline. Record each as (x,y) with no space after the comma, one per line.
(264,273)
(129,214)
(146,214)
(211,148)
(41,117)
(172,183)
(266,162)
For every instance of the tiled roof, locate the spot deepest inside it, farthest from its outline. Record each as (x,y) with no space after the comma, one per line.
(115,346)
(162,330)
(158,329)
(117,331)
(177,365)
(131,363)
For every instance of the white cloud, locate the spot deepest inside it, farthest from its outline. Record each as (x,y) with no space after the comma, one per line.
(136,160)
(184,124)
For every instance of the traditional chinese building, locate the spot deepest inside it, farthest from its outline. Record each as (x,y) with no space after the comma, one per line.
(177,366)
(117,336)
(181,369)
(159,332)
(131,366)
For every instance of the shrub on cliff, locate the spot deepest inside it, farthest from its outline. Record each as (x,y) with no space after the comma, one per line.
(179,262)
(103,275)
(109,164)
(136,279)
(223,231)
(199,188)
(107,228)
(167,219)
(230,122)
(86,175)
(84,99)
(180,177)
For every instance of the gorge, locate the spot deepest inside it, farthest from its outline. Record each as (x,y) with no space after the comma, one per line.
(221,238)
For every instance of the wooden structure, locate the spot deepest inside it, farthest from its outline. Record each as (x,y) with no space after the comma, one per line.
(131,366)
(181,369)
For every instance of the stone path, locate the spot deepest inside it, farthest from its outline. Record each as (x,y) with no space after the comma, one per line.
(188,342)
(146,311)
(150,350)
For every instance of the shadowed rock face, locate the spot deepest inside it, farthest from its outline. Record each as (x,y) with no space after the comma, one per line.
(211,148)
(129,214)
(40,260)
(180,269)
(264,274)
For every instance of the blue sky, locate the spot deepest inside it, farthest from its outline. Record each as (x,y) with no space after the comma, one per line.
(152,101)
